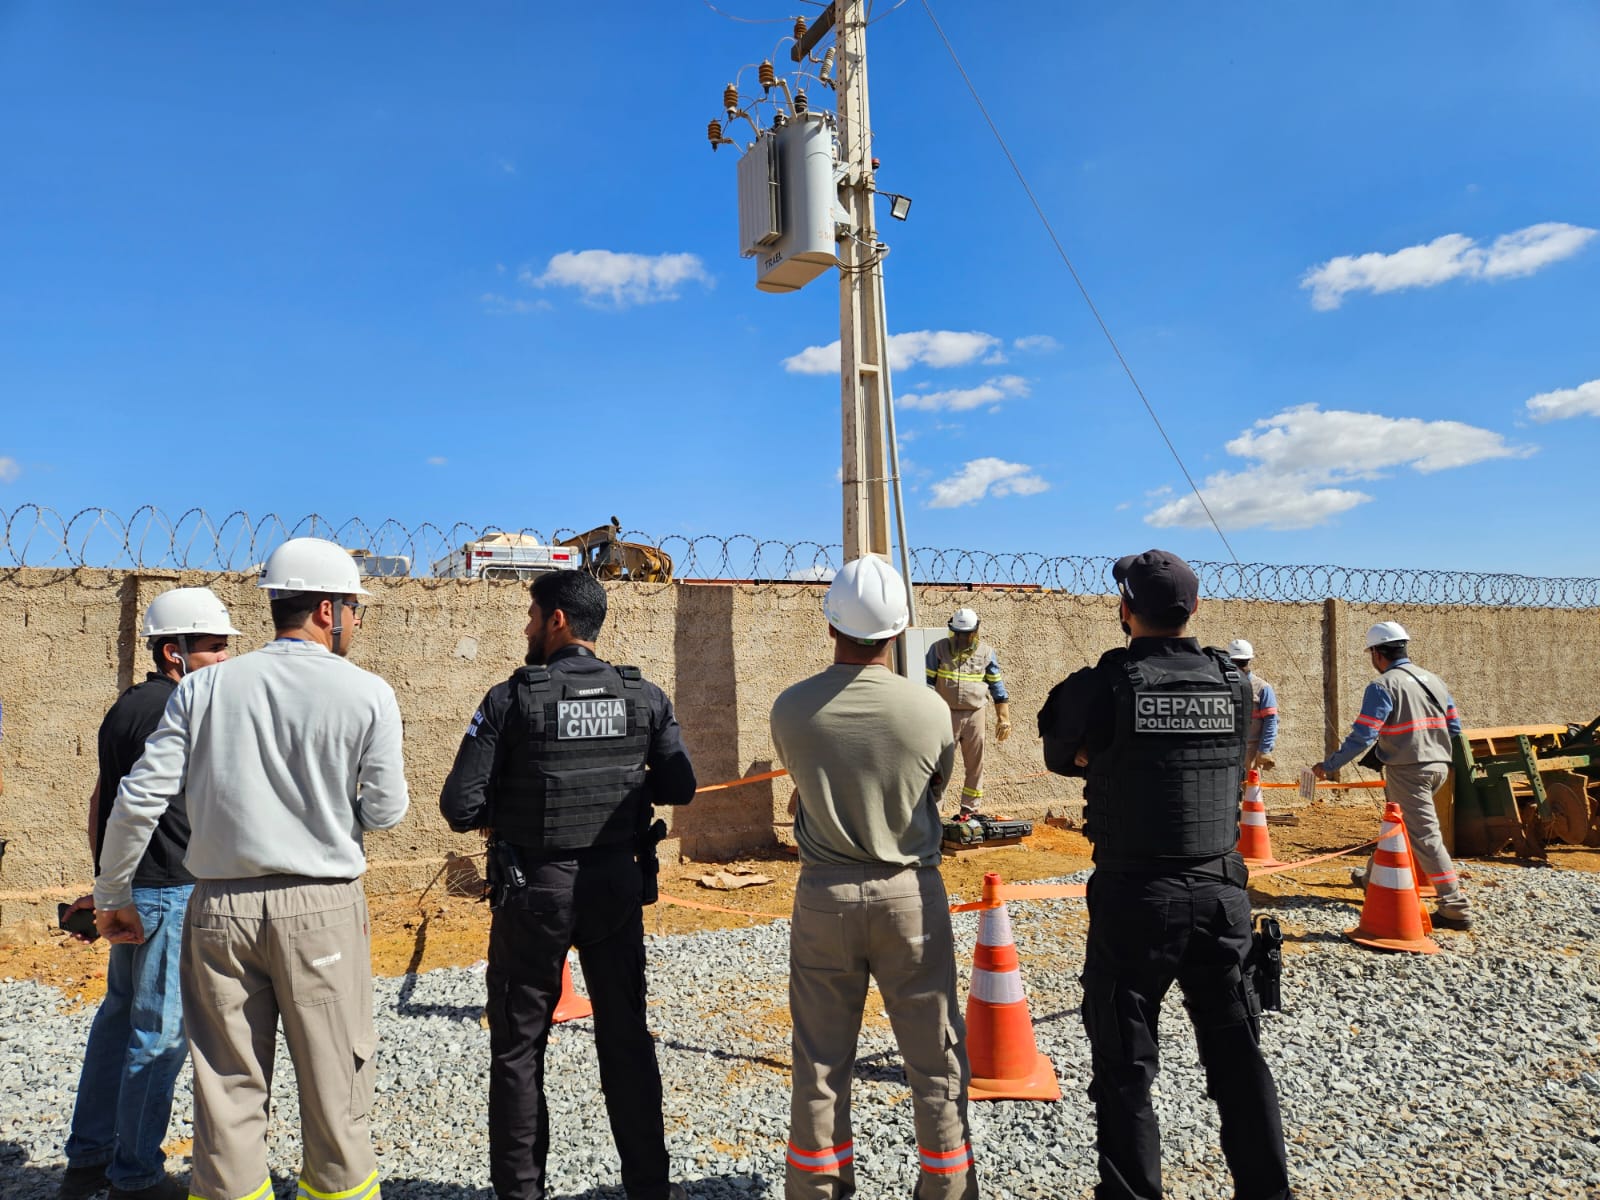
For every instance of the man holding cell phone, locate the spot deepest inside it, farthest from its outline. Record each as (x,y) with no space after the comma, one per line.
(136,1044)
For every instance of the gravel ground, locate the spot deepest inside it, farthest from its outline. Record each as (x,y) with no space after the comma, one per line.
(1471,1073)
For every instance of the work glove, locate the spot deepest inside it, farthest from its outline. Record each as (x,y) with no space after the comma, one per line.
(1002,720)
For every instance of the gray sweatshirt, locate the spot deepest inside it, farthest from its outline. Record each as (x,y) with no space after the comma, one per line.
(281,758)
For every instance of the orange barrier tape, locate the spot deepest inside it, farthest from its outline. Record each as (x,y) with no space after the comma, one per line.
(1026,891)
(738,912)
(733,783)
(1067,891)
(1280,868)
(1030,891)
(1329,783)
(765,775)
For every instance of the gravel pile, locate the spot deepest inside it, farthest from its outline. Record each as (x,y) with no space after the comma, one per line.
(1471,1073)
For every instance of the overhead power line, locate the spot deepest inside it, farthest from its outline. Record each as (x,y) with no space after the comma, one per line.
(1076,278)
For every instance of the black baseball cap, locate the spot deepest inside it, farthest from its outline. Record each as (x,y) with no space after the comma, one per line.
(1157,584)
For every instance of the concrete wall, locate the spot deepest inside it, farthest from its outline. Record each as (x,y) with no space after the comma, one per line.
(68,645)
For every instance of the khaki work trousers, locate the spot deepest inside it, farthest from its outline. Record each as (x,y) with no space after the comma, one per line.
(890,924)
(1411,786)
(967,725)
(257,951)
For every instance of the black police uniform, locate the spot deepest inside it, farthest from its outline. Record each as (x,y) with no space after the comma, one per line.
(563,762)
(1164,725)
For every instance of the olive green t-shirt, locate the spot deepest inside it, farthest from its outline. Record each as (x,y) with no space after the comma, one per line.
(869,753)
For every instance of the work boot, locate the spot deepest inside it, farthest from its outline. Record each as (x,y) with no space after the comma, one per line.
(79,1183)
(165,1188)
(1458,921)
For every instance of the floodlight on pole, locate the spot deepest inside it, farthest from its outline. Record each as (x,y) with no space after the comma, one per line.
(899,206)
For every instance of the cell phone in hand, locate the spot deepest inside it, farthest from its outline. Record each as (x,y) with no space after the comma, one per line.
(80,922)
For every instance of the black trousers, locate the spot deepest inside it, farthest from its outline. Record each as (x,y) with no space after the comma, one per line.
(593,904)
(1145,932)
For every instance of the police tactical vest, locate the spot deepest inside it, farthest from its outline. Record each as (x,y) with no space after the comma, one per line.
(574,775)
(1168,784)
(960,677)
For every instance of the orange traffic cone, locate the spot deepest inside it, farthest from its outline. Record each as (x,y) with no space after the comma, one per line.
(1006,1063)
(1255,845)
(1392,918)
(571,1006)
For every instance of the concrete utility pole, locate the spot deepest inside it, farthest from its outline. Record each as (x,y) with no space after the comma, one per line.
(863,343)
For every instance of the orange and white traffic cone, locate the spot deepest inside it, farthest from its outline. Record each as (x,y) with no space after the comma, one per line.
(1006,1063)
(1392,917)
(571,1006)
(1255,844)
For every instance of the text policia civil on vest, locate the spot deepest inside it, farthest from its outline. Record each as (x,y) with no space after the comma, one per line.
(1168,784)
(574,775)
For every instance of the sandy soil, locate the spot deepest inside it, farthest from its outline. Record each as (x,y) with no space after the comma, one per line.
(444,925)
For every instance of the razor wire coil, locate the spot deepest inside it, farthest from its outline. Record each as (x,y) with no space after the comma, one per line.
(36,537)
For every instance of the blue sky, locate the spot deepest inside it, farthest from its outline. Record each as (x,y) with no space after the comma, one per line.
(333,258)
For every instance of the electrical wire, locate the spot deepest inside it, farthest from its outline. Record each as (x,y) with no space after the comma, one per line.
(747,20)
(1330,719)
(1082,289)
(872,20)
(773,20)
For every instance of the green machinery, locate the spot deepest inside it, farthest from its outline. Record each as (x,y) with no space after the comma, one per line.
(1524,787)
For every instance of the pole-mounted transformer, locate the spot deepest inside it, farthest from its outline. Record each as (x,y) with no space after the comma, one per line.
(789,212)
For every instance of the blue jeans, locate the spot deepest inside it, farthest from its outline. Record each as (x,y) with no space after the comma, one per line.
(136,1047)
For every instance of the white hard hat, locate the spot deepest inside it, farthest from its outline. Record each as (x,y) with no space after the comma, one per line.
(1240,650)
(1385,632)
(311,564)
(965,620)
(184,611)
(867,599)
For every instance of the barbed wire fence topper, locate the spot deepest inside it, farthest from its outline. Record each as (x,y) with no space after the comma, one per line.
(33,536)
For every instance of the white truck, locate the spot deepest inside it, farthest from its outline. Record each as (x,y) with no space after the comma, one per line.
(507,556)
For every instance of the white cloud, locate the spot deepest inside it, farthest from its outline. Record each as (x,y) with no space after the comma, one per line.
(1527,250)
(1259,497)
(816,574)
(929,347)
(992,391)
(1304,459)
(1581,401)
(1452,256)
(10,468)
(437,460)
(609,279)
(986,477)
(814,360)
(1040,343)
(1363,444)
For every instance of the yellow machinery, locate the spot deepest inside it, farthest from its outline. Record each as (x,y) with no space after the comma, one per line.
(607,556)
(1526,786)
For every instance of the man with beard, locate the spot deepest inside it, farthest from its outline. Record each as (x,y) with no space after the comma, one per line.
(561,765)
